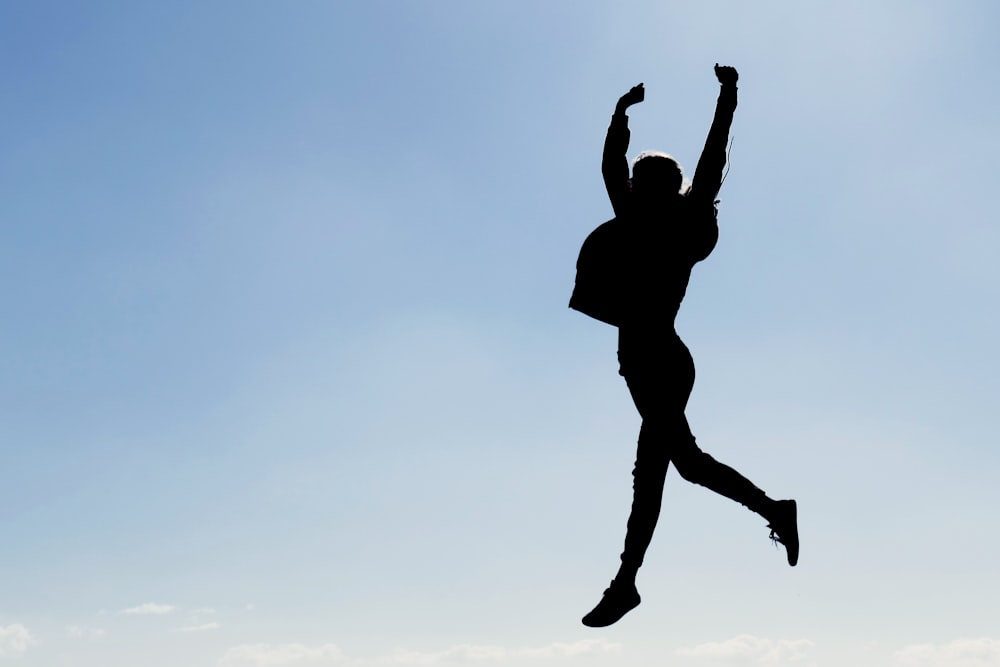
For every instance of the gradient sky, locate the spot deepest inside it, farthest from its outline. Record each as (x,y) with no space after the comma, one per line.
(287,375)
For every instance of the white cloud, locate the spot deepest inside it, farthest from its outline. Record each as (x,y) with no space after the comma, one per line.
(752,650)
(462,653)
(273,655)
(982,652)
(199,628)
(82,632)
(466,653)
(14,640)
(149,608)
(560,649)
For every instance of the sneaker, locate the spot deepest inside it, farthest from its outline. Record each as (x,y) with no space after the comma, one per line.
(785,530)
(618,600)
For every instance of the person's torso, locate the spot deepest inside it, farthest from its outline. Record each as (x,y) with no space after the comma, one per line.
(659,250)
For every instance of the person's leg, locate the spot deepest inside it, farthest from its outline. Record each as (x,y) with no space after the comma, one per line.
(696,466)
(660,392)
(660,388)
(648,477)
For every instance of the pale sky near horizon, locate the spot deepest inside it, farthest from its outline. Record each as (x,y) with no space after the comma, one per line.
(287,375)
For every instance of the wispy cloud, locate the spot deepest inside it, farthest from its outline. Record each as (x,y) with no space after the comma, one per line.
(569,650)
(83,632)
(466,653)
(202,611)
(982,652)
(274,655)
(14,640)
(463,653)
(149,608)
(752,650)
(199,628)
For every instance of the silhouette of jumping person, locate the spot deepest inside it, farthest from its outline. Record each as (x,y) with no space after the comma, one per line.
(664,232)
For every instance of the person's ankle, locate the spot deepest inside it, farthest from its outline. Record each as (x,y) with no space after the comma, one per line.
(625,579)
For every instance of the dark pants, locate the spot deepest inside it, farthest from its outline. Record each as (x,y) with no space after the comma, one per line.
(660,380)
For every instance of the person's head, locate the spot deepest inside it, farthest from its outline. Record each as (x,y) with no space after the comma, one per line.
(656,175)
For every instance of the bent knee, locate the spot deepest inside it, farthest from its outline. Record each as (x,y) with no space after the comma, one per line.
(693,464)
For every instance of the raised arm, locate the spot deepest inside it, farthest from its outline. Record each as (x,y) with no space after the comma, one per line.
(614,165)
(708,174)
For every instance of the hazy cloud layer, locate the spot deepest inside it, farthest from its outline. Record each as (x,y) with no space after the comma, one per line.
(83,632)
(149,608)
(203,611)
(199,628)
(982,652)
(14,640)
(273,655)
(269,655)
(466,653)
(747,649)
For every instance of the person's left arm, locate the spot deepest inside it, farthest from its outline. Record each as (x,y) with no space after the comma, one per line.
(708,175)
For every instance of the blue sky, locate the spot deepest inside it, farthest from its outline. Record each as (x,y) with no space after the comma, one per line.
(287,375)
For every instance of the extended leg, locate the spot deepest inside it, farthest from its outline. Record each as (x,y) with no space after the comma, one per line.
(696,466)
(648,477)
(647,493)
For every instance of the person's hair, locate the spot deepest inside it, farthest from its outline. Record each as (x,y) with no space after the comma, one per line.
(653,169)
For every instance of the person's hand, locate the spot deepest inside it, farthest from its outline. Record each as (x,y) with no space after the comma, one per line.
(634,96)
(726,75)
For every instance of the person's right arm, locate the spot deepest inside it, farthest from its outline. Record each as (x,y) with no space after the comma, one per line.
(614,165)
